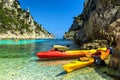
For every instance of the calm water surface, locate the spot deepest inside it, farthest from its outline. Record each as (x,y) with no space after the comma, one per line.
(28,48)
(18,60)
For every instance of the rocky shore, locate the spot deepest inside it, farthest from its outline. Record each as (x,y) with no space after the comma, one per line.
(26,36)
(100,20)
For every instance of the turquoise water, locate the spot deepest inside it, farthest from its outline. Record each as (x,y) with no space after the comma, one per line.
(27,48)
(2,42)
(18,61)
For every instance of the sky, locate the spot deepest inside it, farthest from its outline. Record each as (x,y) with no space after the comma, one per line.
(56,16)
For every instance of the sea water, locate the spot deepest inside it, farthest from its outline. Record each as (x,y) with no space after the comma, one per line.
(26,48)
(18,60)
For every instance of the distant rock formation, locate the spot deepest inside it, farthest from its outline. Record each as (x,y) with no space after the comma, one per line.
(100,20)
(18,23)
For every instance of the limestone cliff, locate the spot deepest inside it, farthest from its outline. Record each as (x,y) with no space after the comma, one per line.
(94,20)
(99,20)
(18,23)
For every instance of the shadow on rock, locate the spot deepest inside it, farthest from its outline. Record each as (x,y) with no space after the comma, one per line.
(105,72)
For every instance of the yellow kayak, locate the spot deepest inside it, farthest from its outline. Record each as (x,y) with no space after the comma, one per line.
(60,47)
(85,61)
(102,48)
(82,53)
(77,64)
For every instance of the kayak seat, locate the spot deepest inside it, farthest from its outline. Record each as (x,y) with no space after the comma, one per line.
(98,61)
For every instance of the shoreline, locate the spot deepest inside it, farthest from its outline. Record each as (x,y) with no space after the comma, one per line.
(18,38)
(25,36)
(32,38)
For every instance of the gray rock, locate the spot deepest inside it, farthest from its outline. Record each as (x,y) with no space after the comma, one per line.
(100,20)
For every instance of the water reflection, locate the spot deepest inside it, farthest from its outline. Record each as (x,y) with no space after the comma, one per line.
(16,42)
(16,51)
(29,50)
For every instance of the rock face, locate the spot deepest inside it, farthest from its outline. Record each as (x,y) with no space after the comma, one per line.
(114,29)
(94,20)
(18,23)
(100,20)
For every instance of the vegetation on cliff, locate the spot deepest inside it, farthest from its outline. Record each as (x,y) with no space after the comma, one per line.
(15,21)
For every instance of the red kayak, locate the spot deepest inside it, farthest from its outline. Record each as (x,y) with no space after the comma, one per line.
(67,54)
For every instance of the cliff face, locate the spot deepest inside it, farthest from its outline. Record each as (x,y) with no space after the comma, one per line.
(100,20)
(114,29)
(94,20)
(18,23)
